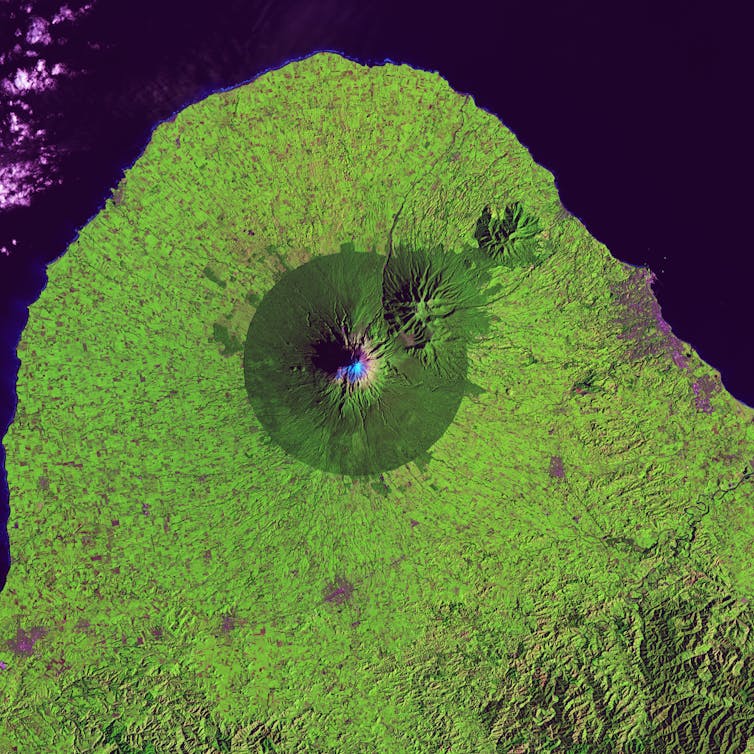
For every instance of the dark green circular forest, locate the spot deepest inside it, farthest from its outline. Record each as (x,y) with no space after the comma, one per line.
(356,363)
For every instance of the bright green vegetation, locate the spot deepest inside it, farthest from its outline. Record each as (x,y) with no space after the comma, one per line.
(562,563)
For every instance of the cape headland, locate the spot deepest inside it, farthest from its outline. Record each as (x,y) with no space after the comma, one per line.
(336,432)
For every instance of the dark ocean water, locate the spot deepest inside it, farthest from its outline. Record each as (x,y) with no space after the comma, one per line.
(640,110)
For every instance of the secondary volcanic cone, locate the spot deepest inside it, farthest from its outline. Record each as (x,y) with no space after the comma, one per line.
(333,435)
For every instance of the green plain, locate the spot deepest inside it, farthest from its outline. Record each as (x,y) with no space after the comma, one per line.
(567,569)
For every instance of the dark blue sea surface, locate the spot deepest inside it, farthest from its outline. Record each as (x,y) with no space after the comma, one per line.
(640,110)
